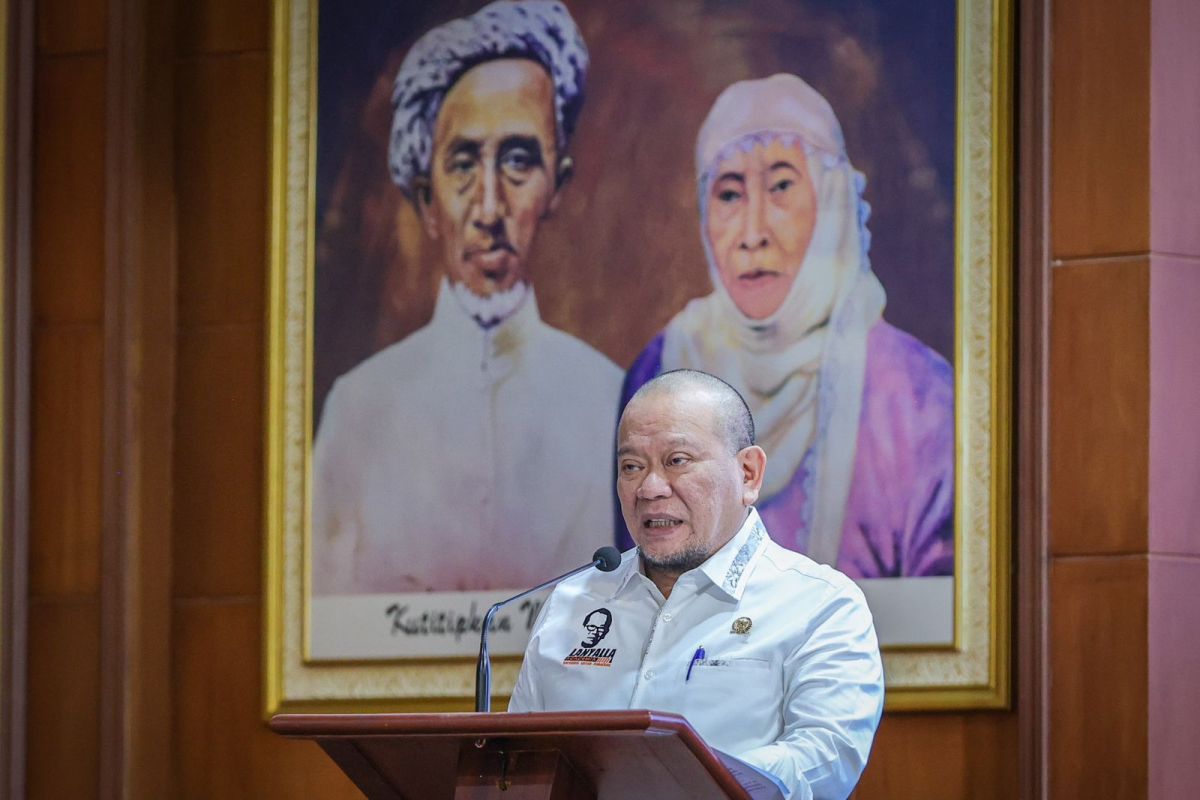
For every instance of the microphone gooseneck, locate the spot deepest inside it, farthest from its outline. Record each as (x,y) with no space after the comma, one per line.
(606,559)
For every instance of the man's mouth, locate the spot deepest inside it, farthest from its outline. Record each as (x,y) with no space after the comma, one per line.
(492,263)
(661,522)
(496,250)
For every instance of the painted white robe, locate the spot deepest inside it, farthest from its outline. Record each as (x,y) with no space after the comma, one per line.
(464,459)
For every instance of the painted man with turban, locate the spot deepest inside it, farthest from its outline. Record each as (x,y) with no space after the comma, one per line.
(474,454)
(858,415)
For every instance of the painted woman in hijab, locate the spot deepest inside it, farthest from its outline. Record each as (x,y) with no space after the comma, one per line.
(857,416)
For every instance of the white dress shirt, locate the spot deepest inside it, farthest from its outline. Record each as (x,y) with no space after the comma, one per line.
(789,678)
(464,458)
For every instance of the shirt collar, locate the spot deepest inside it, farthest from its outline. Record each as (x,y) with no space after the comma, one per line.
(498,348)
(625,575)
(725,568)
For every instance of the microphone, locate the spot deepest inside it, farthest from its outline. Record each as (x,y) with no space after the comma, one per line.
(606,559)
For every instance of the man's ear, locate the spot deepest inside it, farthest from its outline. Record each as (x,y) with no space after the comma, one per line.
(422,197)
(562,174)
(753,463)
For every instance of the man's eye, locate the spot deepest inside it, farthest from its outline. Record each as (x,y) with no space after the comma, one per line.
(518,161)
(783,185)
(461,165)
(729,196)
(677,461)
(629,468)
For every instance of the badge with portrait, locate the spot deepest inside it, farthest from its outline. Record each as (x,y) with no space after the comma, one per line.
(492,223)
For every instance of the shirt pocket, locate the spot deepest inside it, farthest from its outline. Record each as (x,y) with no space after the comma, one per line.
(735,702)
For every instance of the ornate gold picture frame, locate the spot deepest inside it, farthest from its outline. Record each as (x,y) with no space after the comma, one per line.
(963,664)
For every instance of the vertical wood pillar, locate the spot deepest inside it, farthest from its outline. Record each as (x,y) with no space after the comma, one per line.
(16,41)
(139,380)
(1032,304)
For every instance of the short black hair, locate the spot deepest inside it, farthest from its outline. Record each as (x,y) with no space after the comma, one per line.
(607,616)
(733,414)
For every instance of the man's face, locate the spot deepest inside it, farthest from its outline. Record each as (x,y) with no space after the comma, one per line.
(683,492)
(762,209)
(492,174)
(596,626)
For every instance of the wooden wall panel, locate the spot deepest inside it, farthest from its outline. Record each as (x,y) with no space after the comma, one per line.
(1098,677)
(943,757)
(1123,167)
(218,463)
(224,26)
(66,405)
(63,738)
(71,26)
(68,193)
(223,747)
(1100,132)
(222,184)
(64,551)
(1099,407)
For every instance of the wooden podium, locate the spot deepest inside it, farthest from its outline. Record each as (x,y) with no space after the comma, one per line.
(548,756)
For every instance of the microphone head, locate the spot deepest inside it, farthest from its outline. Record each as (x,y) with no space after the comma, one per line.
(607,558)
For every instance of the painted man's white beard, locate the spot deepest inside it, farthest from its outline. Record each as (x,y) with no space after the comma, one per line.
(490,311)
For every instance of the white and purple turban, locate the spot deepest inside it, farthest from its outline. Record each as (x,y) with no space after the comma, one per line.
(539,30)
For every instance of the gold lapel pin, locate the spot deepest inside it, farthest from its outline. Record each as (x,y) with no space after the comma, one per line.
(741,625)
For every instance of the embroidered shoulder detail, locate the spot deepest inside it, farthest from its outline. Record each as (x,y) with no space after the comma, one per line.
(744,554)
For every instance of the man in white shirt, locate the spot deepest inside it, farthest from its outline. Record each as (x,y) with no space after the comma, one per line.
(769,655)
(475,454)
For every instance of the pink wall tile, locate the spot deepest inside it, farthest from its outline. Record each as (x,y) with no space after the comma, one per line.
(1174,692)
(1174,405)
(1174,120)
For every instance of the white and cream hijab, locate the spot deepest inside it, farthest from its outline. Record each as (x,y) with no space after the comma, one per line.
(802,369)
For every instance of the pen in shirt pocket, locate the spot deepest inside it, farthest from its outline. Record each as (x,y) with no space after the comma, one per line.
(696,657)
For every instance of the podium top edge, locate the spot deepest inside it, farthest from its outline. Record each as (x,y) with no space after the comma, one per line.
(478,724)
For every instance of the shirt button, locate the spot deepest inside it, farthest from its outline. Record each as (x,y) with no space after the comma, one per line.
(667,617)
(649,674)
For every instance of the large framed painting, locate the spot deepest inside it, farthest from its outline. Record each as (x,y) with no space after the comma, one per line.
(492,223)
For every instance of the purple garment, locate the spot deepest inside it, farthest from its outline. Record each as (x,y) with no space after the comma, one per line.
(899,516)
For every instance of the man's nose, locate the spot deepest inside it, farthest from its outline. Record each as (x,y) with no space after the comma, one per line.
(492,206)
(754,224)
(654,486)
